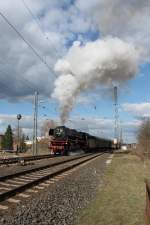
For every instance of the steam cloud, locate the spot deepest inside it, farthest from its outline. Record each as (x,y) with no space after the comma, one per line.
(102,62)
(128,20)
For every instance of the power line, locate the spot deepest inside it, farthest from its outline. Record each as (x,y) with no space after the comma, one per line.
(29,45)
(32,15)
(4,72)
(36,19)
(33,87)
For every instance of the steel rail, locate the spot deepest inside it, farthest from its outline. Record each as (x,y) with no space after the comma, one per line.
(41,167)
(45,176)
(25,158)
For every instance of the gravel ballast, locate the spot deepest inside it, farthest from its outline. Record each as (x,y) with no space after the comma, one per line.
(62,201)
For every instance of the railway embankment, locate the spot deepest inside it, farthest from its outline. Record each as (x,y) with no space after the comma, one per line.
(122,198)
(58,201)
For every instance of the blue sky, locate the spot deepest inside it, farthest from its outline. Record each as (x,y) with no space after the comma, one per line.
(52,35)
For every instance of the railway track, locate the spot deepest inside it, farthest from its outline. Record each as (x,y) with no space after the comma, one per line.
(7,161)
(20,182)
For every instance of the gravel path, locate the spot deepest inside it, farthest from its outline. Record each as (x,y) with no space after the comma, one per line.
(60,203)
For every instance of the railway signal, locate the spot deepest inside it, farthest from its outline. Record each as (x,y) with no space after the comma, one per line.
(18,139)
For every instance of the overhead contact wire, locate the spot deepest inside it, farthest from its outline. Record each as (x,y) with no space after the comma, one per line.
(37,20)
(29,45)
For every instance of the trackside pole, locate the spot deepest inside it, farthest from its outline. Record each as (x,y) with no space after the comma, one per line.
(34,145)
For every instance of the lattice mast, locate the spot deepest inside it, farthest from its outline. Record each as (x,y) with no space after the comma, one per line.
(116,115)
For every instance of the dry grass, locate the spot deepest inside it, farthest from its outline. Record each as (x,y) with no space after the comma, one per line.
(121,201)
(42,150)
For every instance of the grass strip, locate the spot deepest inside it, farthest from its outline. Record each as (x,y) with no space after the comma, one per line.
(121,200)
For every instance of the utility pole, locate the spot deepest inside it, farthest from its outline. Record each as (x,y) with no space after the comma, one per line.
(18,135)
(116,116)
(36,124)
(121,139)
(34,145)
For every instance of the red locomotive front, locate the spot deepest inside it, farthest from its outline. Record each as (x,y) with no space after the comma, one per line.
(66,140)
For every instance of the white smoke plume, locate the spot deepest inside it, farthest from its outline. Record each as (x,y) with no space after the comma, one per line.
(84,67)
(125,19)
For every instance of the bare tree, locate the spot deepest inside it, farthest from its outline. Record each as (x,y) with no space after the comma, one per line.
(46,126)
(143,149)
(15,135)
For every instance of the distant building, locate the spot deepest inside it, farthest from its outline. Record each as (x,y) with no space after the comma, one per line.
(132,145)
(28,142)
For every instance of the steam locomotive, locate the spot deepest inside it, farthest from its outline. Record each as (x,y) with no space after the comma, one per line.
(65,140)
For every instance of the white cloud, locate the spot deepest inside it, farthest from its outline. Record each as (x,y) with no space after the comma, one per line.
(99,63)
(138,109)
(62,23)
(26,123)
(125,19)
(5,119)
(101,127)
(21,72)
(104,127)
